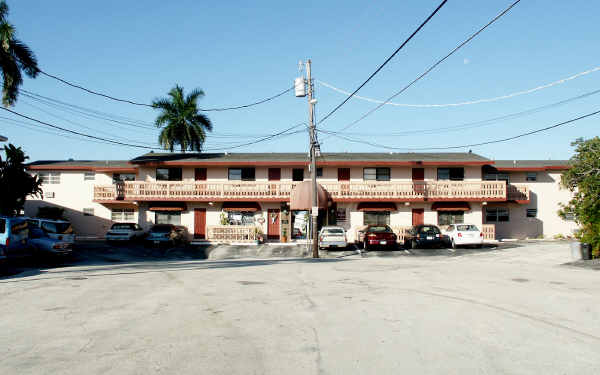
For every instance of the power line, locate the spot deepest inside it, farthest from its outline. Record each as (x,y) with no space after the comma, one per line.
(150,105)
(385,62)
(433,66)
(477,124)
(475,101)
(463,146)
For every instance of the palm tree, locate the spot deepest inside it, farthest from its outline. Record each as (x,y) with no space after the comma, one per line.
(183,123)
(15,57)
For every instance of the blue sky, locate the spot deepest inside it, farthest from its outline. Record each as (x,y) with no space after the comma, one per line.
(239,52)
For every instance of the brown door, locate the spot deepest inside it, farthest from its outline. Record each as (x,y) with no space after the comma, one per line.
(418,174)
(274,174)
(418,177)
(273,226)
(418,216)
(343,174)
(200,174)
(200,223)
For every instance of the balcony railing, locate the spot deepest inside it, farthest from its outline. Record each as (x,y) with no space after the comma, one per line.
(489,231)
(281,190)
(517,193)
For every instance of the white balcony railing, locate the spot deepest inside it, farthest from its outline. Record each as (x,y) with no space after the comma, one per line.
(519,193)
(281,190)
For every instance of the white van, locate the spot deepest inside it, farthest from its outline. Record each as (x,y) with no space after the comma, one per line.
(58,229)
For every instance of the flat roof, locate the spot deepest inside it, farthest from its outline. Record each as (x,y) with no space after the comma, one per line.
(531,165)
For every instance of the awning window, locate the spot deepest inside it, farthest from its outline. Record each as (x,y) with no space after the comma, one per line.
(450,206)
(377,206)
(241,206)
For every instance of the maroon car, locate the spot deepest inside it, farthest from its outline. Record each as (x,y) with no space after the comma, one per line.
(378,236)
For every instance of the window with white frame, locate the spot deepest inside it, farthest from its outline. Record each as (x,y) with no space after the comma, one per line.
(531,176)
(376,218)
(376,174)
(240,217)
(122,215)
(89,176)
(168,217)
(451,217)
(496,176)
(88,212)
(120,177)
(570,216)
(496,214)
(49,177)
(531,212)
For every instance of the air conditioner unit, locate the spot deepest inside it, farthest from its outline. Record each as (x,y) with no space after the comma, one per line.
(49,194)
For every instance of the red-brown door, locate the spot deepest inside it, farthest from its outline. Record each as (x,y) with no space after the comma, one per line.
(343,174)
(418,174)
(418,216)
(273,226)
(274,174)
(200,223)
(200,174)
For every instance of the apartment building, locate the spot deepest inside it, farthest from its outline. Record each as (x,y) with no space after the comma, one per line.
(233,196)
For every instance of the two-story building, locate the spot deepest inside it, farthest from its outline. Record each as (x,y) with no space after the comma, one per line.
(232,196)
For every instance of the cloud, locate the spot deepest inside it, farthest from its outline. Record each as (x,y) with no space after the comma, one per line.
(466,61)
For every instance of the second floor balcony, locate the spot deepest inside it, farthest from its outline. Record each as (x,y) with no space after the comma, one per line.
(281,190)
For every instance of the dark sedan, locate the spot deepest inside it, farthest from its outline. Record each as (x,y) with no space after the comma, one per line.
(378,235)
(166,234)
(423,235)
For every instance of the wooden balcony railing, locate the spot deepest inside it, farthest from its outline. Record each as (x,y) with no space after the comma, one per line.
(517,193)
(231,233)
(250,190)
(489,231)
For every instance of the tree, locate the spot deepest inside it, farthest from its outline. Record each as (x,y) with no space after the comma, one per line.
(15,57)
(182,122)
(15,183)
(583,179)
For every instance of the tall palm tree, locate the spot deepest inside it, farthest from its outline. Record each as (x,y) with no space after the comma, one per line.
(15,57)
(182,122)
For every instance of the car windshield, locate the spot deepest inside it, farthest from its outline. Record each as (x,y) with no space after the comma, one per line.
(123,226)
(57,227)
(466,228)
(382,229)
(429,229)
(36,233)
(333,231)
(161,229)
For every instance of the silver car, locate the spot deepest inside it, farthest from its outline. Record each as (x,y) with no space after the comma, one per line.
(332,238)
(125,232)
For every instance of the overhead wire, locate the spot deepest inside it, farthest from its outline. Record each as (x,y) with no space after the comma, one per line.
(466,145)
(384,63)
(497,17)
(475,101)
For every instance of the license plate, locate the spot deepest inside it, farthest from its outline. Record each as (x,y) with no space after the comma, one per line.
(430,237)
(383,242)
(156,242)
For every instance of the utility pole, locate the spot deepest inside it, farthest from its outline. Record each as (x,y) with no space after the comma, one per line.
(313,160)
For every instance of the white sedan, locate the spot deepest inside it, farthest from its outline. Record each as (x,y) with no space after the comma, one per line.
(463,234)
(332,237)
(125,232)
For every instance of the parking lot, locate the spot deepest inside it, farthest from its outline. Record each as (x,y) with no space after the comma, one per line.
(515,308)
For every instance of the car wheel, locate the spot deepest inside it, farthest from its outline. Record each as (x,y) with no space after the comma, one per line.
(453,244)
(479,246)
(413,244)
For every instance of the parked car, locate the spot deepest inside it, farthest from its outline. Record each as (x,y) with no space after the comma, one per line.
(43,244)
(14,232)
(125,232)
(166,234)
(378,235)
(463,234)
(60,230)
(331,237)
(424,235)
(2,254)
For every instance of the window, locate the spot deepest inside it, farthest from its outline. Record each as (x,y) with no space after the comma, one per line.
(570,216)
(168,174)
(122,215)
(167,217)
(120,177)
(531,212)
(88,212)
(242,174)
(89,176)
(298,174)
(376,218)
(452,174)
(49,177)
(319,172)
(451,217)
(494,215)
(2,225)
(376,174)
(240,217)
(496,176)
(531,176)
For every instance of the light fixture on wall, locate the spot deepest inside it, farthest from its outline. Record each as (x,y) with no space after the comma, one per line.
(407,203)
(484,203)
(211,203)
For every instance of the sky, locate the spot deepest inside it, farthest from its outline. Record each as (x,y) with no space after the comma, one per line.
(240,52)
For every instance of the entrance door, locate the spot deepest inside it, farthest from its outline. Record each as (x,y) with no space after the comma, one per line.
(343,174)
(274,174)
(273,226)
(418,177)
(418,216)
(418,174)
(200,223)
(200,174)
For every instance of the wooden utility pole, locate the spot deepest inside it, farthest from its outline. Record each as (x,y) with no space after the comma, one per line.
(313,161)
